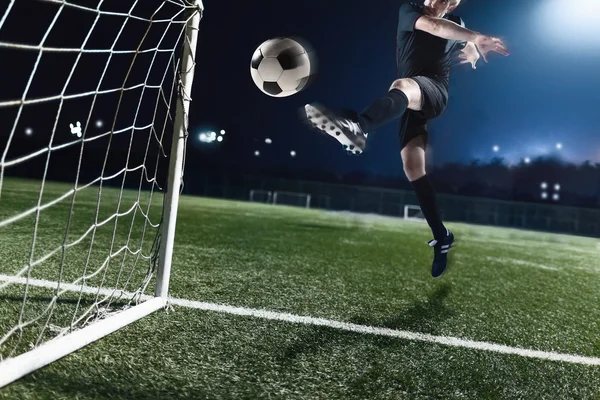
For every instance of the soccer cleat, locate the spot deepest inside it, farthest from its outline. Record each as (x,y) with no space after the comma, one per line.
(344,130)
(440,258)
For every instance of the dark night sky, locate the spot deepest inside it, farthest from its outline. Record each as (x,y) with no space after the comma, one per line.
(546,92)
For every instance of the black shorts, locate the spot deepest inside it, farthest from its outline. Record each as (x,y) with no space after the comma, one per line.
(435,98)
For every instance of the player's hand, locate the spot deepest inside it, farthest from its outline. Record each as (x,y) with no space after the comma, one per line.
(469,57)
(485,44)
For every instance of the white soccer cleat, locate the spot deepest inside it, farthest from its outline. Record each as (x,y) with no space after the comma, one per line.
(344,130)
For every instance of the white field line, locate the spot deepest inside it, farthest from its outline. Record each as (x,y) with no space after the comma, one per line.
(515,261)
(344,326)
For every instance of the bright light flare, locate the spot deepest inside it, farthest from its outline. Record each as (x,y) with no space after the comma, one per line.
(28,131)
(208,137)
(579,22)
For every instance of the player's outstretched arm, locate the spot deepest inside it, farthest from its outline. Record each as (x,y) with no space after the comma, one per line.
(446,29)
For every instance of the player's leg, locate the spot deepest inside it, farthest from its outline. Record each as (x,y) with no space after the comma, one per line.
(352,130)
(413,160)
(403,94)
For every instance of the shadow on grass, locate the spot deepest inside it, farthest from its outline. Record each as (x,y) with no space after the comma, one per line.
(85,302)
(79,384)
(421,316)
(308,226)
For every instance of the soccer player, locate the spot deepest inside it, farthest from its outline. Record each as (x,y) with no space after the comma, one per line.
(428,38)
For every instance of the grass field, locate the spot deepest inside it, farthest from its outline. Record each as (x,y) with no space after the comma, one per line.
(519,289)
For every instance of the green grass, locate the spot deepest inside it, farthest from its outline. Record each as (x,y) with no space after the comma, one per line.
(509,287)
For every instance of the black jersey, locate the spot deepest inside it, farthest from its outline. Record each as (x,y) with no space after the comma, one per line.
(420,53)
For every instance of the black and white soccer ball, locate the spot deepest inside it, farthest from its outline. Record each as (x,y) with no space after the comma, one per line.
(282,67)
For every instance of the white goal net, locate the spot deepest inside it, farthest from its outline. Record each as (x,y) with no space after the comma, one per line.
(94,98)
(292,199)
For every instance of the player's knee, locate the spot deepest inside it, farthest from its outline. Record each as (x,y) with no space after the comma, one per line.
(413,169)
(412,91)
(400,84)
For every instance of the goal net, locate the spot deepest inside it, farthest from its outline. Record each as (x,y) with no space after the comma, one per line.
(94,98)
(413,213)
(292,199)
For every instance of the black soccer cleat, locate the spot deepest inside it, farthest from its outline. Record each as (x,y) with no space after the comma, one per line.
(440,257)
(344,130)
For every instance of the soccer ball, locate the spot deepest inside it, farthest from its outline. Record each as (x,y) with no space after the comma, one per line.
(282,67)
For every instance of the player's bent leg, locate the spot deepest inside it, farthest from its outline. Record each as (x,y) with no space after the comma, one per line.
(413,159)
(352,131)
(411,90)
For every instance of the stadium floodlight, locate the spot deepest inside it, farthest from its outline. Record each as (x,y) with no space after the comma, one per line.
(28,131)
(580,23)
(544,195)
(559,146)
(268,141)
(544,186)
(496,148)
(99,123)
(257,153)
(293,153)
(527,160)
(220,139)
(107,262)
(556,197)
(207,137)
(557,187)
(222,131)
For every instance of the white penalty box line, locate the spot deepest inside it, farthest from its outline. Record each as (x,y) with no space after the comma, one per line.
(322,322)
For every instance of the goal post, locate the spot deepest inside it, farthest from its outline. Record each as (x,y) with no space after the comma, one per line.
(413,213)
(85,258)
(261,196)
(292,199)
(177,152)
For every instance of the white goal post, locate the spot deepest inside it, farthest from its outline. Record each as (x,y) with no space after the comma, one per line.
(261,196)
(413,213)
(98,244)
(292,199)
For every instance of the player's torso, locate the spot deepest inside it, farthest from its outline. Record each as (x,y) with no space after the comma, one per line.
(420,53)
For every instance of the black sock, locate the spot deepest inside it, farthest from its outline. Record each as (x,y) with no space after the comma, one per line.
(383,110)
(426,196)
